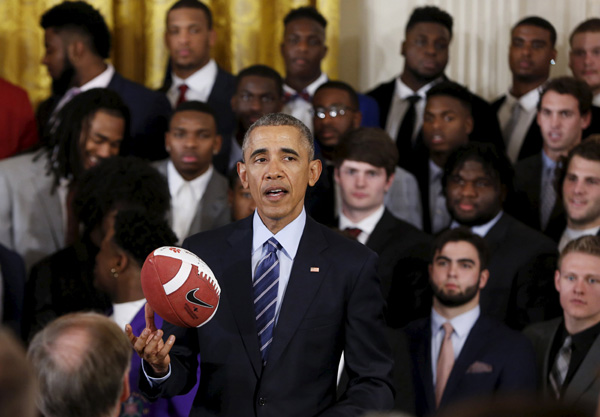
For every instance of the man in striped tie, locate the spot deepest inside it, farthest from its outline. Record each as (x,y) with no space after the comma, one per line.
(568,348)
(294,296)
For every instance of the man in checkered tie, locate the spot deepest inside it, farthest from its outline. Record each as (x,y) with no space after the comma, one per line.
(294,296)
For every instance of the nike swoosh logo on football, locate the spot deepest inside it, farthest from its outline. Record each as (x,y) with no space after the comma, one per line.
(191,297)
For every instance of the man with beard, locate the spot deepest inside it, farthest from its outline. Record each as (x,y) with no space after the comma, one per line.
(459,353)
(77,43)
(258,91)
(477,181)
(402,100)
(529,57)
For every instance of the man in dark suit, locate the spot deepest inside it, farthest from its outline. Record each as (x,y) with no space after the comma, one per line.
(564,111)
(77,42)
(402,100)
(193,74)
(322,297)
(477,180)
(568,348)
(583,57)
(459,353)
(198,191)
(530,55)
(365,162)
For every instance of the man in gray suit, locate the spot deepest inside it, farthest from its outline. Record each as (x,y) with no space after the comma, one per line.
(568,348)
(198,192)
(36,218)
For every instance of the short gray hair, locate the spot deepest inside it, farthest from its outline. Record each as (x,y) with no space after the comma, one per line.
(80,360)
(282,119)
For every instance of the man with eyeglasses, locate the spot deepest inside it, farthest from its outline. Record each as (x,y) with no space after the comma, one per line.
(258,91)
(335,113)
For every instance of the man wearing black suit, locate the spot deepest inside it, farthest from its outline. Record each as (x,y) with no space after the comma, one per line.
(402,100)
(77,42)
(365,162)
(477,180)
(323,298)
(459,353)
(568,348)
(530,55)
(193,74)
(563,113)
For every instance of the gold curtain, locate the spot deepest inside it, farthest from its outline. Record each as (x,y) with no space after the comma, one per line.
(248,32)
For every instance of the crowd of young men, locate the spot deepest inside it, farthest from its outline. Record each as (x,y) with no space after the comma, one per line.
(405,237)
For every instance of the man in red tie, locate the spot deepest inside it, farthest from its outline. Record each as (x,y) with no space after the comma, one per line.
(457,353)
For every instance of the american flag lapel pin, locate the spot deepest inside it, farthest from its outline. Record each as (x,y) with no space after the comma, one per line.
(314,269)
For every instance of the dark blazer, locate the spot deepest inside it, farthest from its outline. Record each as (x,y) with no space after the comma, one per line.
(485,127)
(398,242)
(528,184)
(149,111)
(493,359)
(12,279)
(213,210)
(220,101)
(584,388)
(337,308)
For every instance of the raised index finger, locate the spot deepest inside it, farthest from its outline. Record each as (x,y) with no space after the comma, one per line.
(150,318)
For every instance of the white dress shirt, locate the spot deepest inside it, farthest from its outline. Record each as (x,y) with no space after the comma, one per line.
(100,81)
(528,104)
(123,313)
(596,101)
(462,326)
(200,84)
(182,214)
(299,108)
(399,106)
(366,225)
(572,234)
(482,229)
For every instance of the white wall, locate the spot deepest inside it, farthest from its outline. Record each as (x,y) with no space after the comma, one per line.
(371,32)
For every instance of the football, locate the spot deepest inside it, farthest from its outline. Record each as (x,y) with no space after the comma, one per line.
(180,287)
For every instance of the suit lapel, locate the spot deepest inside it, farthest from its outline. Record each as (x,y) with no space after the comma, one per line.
(424,365)
(380,234)
(546,363)
(237,287)
(301,289)
(496,234)
(208,207)
(50,203)
(586,374)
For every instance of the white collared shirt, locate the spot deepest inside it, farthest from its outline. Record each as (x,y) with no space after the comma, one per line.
(482,229)
(100,81)
(399,106)
(596,101)
(289,238)
(572,234)
(462,325)
(198,186)
(123,313)
(300,108)
(200,84)
(528,103)
(366,225)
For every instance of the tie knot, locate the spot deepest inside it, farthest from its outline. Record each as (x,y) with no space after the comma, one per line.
(567,343)
(448,329)
(183,88)
(352,232)
(413,99)
(273,245)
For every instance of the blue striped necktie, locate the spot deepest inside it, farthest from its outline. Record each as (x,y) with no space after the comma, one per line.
(266,283)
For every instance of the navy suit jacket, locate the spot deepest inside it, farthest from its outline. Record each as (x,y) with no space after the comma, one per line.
(339,307)
(494,358)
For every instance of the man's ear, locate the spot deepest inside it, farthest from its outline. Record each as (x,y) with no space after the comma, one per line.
(314,172)
(483,278)
(242,173)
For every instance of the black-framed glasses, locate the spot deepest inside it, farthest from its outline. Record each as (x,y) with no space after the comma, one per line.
(332,111)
